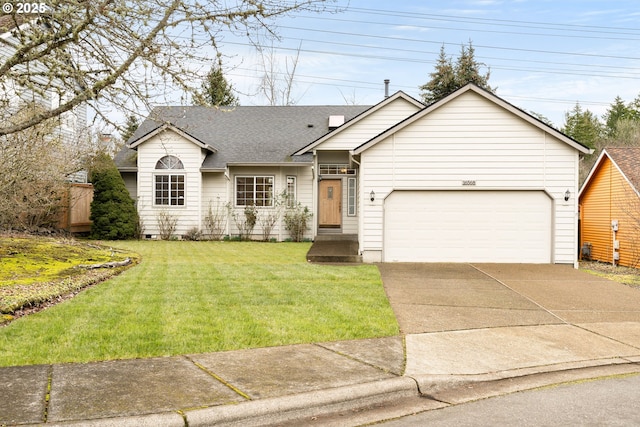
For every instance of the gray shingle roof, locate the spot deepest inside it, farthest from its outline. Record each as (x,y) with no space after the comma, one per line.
(251,134)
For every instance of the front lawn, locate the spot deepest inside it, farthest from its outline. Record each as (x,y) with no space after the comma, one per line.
(193,297)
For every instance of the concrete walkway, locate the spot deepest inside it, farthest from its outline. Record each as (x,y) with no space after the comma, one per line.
(470,331)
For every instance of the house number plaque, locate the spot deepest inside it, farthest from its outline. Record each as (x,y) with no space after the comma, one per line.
(468,182)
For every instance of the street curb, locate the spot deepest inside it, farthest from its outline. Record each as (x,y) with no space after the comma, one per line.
(457,389)
(306,405)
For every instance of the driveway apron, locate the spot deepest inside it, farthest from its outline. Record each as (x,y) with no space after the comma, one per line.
(446,297)
(472,319)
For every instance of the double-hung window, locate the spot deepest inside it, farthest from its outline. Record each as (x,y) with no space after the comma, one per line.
(169,184)
(254,191)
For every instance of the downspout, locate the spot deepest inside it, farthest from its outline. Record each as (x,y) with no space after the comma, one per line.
(353,159)
(230,202)
(359,201)
(315,176)
(576,230)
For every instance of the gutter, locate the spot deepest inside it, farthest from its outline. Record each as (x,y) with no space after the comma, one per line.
(281,164)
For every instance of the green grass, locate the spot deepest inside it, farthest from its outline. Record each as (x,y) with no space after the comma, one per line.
(193,297)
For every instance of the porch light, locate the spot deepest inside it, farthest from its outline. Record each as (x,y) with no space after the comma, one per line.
(567,194)
(372,195)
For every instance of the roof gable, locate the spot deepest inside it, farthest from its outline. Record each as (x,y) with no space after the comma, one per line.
(627,162)
(170,127)
(486,95)
(391,99)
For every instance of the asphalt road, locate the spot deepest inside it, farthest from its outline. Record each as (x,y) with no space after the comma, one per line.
(601,402)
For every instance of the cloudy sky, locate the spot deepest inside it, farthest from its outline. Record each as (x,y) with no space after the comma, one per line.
(544,55)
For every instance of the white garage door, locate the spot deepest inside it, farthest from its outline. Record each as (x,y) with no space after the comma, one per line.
(467,226)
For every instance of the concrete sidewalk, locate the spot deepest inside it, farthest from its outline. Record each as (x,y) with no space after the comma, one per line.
(207,389)
(471,331)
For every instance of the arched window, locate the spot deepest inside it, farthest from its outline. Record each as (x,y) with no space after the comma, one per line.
(169,187)
(169,162)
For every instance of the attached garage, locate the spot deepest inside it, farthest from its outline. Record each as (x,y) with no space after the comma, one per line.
(468,226)
(468,178)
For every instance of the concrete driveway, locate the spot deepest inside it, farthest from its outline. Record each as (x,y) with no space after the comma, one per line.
(478,319)
(447,297)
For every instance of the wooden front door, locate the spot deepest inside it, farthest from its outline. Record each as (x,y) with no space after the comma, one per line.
(330,206)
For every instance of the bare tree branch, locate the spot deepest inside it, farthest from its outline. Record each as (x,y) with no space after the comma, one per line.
(117,51)
(275,85)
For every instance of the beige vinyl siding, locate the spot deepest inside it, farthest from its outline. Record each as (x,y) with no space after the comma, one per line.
(471,139)
(215,195)
(561,174)
(370,126)
(214,189)
(131,183)
(191,156)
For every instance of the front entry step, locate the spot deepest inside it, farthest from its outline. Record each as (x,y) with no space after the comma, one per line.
(335,249)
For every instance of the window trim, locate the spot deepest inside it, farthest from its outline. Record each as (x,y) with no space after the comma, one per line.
(255,177)
(352,196)
(335,169)
(171,167)
(170,198)
(169,162)
(292,198)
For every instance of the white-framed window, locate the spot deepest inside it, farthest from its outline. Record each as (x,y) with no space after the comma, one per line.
(291,190)
(254,191)
(336,169)
(352,208)
(169,187)
(169,162)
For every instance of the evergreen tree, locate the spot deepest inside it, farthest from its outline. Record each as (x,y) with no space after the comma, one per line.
(619,112)
(447,77)
(113,211)
(468,69)
(443,79)
(215,90)
(583,126)
(130,127)
(615,112)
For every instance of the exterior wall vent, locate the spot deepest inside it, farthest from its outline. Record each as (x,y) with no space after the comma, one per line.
(335,121)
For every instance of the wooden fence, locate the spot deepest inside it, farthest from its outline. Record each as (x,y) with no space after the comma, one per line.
(77,209)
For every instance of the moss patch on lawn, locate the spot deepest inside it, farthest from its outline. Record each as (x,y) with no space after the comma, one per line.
(37,270)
